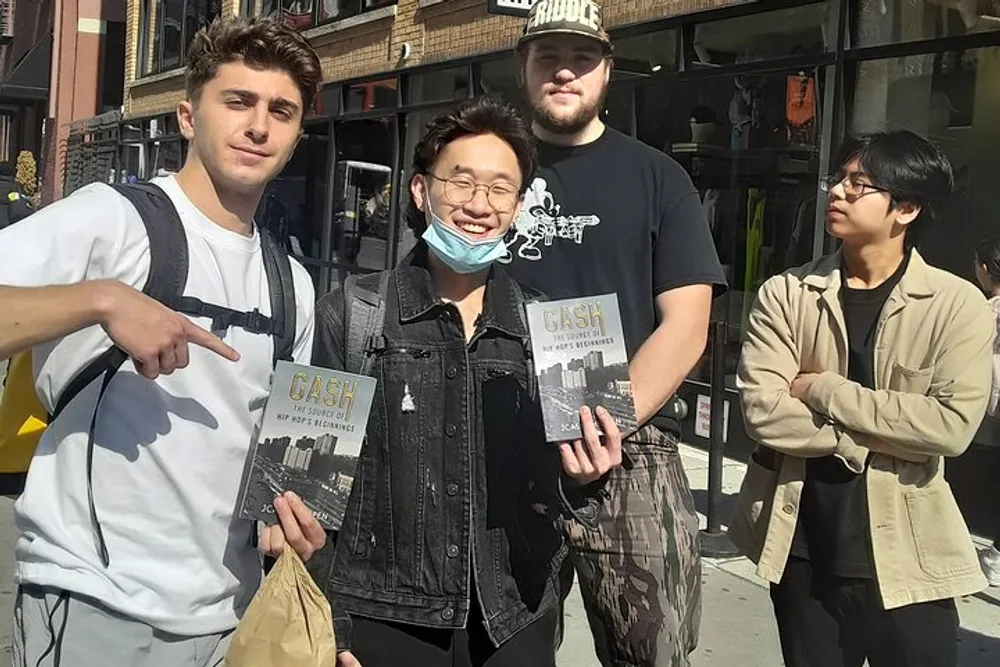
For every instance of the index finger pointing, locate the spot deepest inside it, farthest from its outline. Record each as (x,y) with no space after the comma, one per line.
(209,341)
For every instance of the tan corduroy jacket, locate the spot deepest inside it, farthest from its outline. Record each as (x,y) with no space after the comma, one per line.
(933,363)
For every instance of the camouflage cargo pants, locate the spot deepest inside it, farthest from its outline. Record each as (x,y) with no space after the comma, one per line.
(640,571)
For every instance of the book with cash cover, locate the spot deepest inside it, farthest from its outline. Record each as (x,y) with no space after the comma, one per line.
(309,442)
(579,354)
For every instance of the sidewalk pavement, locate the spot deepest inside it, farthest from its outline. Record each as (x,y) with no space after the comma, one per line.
(737,626)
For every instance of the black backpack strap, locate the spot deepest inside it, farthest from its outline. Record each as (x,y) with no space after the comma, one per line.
(168,270)
(168,250)
(281,284)
(364,320)
(280,325)
(109,360)
(223,317)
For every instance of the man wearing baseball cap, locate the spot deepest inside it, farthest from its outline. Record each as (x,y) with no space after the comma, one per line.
(606,213)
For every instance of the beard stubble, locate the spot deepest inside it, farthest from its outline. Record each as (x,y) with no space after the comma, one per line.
(573,124)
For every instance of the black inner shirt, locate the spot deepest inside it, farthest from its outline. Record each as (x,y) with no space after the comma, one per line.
(832,530)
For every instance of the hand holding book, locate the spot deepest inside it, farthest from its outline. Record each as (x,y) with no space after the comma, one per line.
(588,459)
(578,349)
(309,442)
(297,527)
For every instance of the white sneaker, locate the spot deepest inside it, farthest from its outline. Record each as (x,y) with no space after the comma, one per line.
(989,560)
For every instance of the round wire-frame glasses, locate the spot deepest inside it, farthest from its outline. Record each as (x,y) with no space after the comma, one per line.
(459,191)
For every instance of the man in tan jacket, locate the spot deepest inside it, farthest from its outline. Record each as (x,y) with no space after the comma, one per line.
(860,372)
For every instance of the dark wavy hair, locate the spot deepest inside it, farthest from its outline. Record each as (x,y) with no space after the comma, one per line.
(258,42)
(910,168)
(482,115)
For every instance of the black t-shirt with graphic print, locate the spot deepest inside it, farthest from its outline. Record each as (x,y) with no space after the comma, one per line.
(614,215)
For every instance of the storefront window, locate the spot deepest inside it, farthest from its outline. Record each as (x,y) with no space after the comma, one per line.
(415,124)
(151,147)
(292,206)
(328,103)
(953,100)
(167,157)
(161,126)
(619,110)
(438,86)
(131,130)
(132,165)
(643,55)
(499,77)
(879,22)
(304,14)
(751,146)
(371,95)
(362,196)
(782,33)
(167,28)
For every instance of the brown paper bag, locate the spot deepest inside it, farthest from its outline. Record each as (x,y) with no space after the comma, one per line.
(288,623)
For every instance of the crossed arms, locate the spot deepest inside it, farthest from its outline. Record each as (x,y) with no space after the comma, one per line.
(833,415)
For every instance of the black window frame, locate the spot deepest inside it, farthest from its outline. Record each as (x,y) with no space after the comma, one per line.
(273,7)
(151,64)
(139,132)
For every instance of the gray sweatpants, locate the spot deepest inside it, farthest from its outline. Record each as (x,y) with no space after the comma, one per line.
(53,628)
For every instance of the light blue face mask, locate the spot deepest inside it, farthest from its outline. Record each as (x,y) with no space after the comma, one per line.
(458,252)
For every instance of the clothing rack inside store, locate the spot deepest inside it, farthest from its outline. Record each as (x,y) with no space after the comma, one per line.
(758,203)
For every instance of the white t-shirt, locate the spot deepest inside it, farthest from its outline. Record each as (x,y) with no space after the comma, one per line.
(169,454)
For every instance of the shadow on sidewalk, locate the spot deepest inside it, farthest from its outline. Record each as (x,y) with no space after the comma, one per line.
(725,508)
(987,598)
(976,650)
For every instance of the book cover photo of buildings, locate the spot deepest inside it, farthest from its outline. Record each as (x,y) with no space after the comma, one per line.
(309,442)
(578,347)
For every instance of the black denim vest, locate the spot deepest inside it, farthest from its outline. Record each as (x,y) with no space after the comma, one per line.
(455,484)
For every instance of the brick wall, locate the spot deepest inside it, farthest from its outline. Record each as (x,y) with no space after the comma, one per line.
(436,32)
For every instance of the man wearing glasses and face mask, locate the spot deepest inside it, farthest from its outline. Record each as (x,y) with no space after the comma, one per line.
(448,552)
(860,372)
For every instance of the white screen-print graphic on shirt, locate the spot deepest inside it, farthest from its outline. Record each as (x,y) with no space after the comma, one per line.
(540,221)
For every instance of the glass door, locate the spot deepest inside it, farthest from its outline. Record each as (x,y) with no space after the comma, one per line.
(362,197)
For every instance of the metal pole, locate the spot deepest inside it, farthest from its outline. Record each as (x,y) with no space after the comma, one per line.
(714,542)
(716,435)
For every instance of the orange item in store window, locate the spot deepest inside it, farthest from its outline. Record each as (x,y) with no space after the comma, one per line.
(800,100)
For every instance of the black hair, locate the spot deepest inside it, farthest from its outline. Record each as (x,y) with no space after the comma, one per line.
(481,115)
(988,254)
(910,168)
